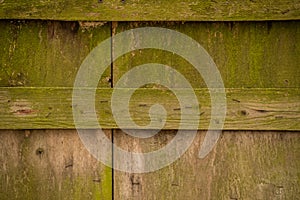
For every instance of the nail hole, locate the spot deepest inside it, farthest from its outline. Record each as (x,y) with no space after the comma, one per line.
(243,112)
(39,151)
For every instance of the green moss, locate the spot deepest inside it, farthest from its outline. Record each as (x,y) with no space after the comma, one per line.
(43,54)
(106,184)
(145,10)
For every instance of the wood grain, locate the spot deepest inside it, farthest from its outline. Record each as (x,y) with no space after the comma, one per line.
(243,165)
(247,54)
(50,164)
(259,64)
(47,53)
(151,10)
(51,108)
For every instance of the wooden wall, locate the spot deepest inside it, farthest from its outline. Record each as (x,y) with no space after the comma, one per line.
(53,164)
(255,45)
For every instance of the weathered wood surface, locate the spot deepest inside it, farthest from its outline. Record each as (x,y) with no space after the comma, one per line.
(244,165)
(47,53)
(151,10)
(53,164)
(247,54)
(247,109)
(50,164)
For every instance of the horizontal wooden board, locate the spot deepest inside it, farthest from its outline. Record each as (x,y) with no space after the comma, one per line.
(243,165)
(247,54)
(151,10)
(247,109)
(53,164)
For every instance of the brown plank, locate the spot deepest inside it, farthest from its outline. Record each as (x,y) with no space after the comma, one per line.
(151,10)
(243,165)
(51,108)
(50,164)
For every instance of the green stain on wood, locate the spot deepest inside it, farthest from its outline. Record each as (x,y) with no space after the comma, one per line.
(79,188)
(51,108)
(151,10)
(247,54)
(256,51)
(41,53)
(106,184)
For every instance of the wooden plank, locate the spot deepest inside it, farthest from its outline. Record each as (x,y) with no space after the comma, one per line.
(47,53)
(50,164)
(151,10)
(247,109)
(247,54)
(243,165)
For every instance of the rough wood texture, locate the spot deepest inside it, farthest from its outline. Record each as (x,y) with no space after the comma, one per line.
(247,54)
(151,10)
(243,165)
(39,61)
(247,109)
(50,164)
(47,53)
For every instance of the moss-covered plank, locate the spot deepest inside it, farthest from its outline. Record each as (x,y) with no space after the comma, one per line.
(247,109)
(149,10)
(50,165)
(247,54)
(243,165)
(47,53)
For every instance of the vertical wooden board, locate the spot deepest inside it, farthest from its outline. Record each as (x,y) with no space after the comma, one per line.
(247,54)
(47,53)
(50,164)
(243,165)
